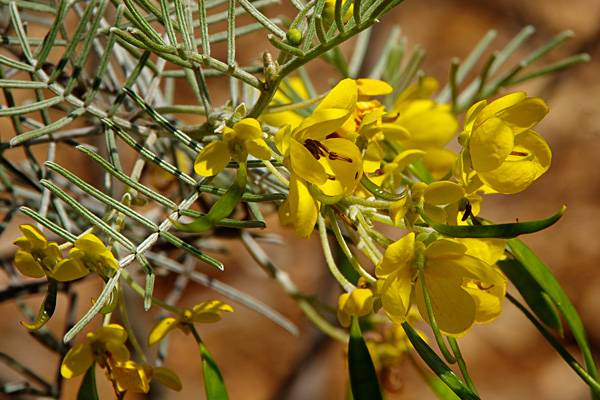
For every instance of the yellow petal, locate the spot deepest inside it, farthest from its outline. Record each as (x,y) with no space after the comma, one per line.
(372,158)
(212,159)
(490,144)
(343,166)
(247,129)
(430,124)
(69,270)
(303,207)
(407,157)
(396,255)
(443,192)
(161,329)
(210,311)
(34,235)
(524,115)
(453,307)
(488,300)
(395,296)
(420,90)
(130,377)
(445,247)
(27,265)
(343,96)
(258,148)
(359,302)
(518,172)
(282,140)
(321,123)
(114,333)
(395,132)
(439,161)
(472,114)
(399,209)
(167,377)
(90,244)
(373,87)
(496,106)
(305,164)
(78,360)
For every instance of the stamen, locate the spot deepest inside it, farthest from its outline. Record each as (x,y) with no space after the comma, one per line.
(518,153)
(318,149)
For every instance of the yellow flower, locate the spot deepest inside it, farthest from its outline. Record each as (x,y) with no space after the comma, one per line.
(500,145)
(332,165)
(106,348)
(463,289)
(429,125)
(358,303)
(206,312)
(130,377)
(36,256)
(88,254)
(329,12)
(245,137)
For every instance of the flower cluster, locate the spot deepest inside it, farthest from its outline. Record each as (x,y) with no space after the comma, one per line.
(106,348)
(37,257)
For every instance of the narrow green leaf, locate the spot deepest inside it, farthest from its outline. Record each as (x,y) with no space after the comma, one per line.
(88,389)
(437,365)
(214,385)
(503,231)
(177,242)
(542,275)
(363,377)
(27,108)
(532,293)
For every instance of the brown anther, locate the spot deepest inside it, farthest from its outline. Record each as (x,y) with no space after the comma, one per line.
(480,286)
(518,153)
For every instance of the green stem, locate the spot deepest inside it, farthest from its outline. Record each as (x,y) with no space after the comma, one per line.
(461,363)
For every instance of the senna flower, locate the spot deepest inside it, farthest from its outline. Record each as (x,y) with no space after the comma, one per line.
(454,280)
(246,137)
(357,303)
(332,165)
(205,312)
(88,254)
(499,145)
(132,377)
(106,347)
(36,256)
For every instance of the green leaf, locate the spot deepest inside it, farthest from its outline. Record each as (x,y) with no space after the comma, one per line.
(503,231)
(542,275)
(363,378)
(440,388)
(214,384)
(88,389)
(437,365)
(539,302)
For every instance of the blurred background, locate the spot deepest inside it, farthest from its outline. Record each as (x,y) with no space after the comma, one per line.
(506,358)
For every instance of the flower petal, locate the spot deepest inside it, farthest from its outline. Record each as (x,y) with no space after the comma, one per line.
(27,265)
(161,330)
(34,235)
(443,192)
(395,294)
(90,244)
(78,360)
(453,307)
(303,207)
(396,255)
(247,129)
(305,164)
(258,148)
(167,377)
(490,144)
(69,270)
(212,159)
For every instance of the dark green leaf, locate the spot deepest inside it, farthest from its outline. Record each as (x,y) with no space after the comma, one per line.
(542,275)
(363,378)
(214,384)
(532,293)
(88,389)
(437,365)
(503,231)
